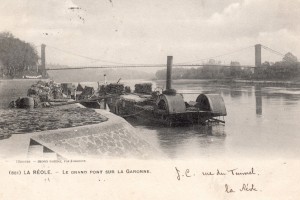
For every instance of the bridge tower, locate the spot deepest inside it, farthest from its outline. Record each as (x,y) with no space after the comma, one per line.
(43,60)
(257,55)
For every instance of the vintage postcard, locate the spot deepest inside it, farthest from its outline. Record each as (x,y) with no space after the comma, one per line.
(161,99)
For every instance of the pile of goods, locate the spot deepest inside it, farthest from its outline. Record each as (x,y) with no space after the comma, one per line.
(145,88)
(79,87)
(101,90)
(127,89)
(24,102)
(87,92)
(114,88)
(68,89)
(39,94)
(44,91)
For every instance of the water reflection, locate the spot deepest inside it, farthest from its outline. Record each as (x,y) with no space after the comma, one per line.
(258,100)
(192,141)
(289,95)
(236,91)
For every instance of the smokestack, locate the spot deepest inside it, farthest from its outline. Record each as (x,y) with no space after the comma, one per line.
(169,72)
(257,55)
(43,59)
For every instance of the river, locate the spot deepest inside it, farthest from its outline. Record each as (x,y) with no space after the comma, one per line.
(262,121)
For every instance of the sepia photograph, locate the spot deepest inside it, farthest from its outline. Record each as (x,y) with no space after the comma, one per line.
(161,99)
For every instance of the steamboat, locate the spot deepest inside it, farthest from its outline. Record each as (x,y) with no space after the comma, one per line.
(165,107)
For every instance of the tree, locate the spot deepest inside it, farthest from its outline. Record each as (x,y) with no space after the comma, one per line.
(211,62)
(235,63)
(266,64)
(16,55)
(289,57)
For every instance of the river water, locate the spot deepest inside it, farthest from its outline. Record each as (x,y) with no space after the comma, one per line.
(262,121)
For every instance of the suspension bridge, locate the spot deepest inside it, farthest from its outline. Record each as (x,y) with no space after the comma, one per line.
(194,63)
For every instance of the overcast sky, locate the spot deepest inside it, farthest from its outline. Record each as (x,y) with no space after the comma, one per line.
(146,31)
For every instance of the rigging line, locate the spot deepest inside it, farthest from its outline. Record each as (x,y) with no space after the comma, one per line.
(233,52)
(267,48)
(273,51)
(278,54)
(93,59)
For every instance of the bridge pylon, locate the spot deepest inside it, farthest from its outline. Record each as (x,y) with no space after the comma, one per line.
(257,55)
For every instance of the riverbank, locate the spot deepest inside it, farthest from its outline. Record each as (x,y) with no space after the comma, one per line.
(83,132)
(111,138)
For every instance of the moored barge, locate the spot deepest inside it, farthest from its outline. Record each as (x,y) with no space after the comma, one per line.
(167,107)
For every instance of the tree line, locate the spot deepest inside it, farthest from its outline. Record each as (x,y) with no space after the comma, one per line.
(17,57)
(288,68)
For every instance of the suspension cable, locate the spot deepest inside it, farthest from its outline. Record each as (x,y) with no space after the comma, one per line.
(225,54)
(272,51)
(94,59)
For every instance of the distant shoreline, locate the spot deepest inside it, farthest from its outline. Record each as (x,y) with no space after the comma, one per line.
(23,79)
(242,81)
